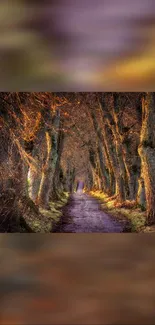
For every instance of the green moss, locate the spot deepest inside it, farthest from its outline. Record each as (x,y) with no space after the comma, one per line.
(28,182)
(43,220)
(142,207)
(136,217)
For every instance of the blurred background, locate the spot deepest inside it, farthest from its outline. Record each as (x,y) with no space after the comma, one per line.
(70,45)
(83,279)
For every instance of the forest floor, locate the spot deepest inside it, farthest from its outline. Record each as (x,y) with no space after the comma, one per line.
(83,214)
(44,220)
(92,212)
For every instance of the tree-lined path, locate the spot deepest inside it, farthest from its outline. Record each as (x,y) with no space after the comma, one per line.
(53,143)
(83,214)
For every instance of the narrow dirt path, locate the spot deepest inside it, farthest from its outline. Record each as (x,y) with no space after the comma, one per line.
(83,214)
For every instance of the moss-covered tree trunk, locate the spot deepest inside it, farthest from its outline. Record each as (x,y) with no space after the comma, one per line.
(123,149)
(95,167)
(34,178)
(39,154)
(147,153)
(109,111)
(108,164)
(47,178)
(114,151)
(57,182)
(141,196)
(101,153)
(89,179)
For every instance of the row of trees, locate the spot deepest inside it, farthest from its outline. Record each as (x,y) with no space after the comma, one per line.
(124,125)
(31,143)
(49,140)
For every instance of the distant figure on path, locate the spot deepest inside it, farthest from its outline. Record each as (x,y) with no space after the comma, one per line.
(80,187)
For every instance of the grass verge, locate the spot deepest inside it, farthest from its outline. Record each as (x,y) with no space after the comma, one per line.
(45,220)
(128,211)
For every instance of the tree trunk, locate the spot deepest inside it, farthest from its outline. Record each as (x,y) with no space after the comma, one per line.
(103,168)
(141,196)
(114,157)
(110,116)
(38,153)
(34,179)
(46,184)
(126,160)
(56,182)
(147,153)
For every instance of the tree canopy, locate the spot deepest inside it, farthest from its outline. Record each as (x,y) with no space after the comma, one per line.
(50,141)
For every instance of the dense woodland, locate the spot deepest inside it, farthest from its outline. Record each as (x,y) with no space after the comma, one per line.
(48,141)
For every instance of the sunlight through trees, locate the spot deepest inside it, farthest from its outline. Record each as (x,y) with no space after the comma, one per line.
(50,141)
